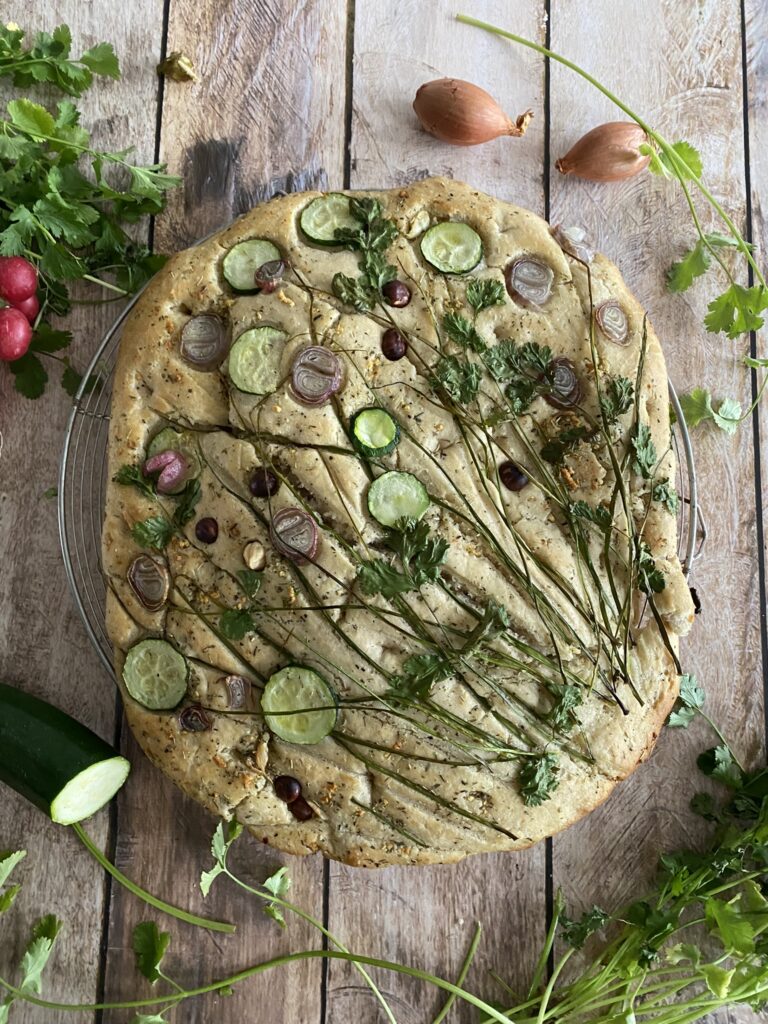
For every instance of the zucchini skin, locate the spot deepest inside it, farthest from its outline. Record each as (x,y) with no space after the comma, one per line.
(42,748)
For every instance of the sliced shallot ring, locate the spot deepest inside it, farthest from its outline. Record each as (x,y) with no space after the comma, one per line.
(204,342)
(529,281)
(612,321)
(150,582)
(236,687)
(316,375)
(573,241)
(294,534)
(194,718)
(566,387)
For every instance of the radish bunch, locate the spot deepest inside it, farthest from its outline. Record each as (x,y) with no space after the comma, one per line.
(20,306)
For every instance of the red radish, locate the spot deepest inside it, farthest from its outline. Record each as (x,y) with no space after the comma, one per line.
(18,279)
(29,307)
(15,334)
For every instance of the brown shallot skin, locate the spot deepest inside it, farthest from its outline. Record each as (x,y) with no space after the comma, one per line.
(463,114)
(610,152)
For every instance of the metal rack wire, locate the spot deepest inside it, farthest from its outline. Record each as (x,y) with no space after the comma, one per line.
(83,483)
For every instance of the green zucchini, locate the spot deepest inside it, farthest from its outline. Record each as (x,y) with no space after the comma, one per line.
(320,219)
(155,674)
(244,259)
(179,441)
(374,433)
(452,247)
(55,762)
(254,360)
(394,496)
(299,706)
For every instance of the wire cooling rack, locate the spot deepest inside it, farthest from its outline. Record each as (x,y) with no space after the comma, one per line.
(83,483)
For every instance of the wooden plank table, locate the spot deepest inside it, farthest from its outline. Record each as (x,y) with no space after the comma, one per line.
(293,96)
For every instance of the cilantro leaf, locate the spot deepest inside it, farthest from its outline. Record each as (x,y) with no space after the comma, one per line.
(132,476)
(225,835)
(421,558)
(576,931)
(731,926)
(538,778)
(30,376)
(599,515)
(154,532)
(236,623)
(102,60)
(484,293)
(278,884)
(645,459)
(650,580)
(420,673)
(696,261)
(526,369)
(7,897)
(47,339)
(663,165)
(718,763)
(493,622)
(8,861)
(665,494)
(48,60)
(354,291)
(697,408)
(250,581)
(379,577)
(459,378)
(737,311)
(689,701)
(460,330)
(617,397)
(150,946)
(38,952)
(567,697)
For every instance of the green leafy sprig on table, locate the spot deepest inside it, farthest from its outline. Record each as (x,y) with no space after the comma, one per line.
(740,309)
(63,202)
(371,239)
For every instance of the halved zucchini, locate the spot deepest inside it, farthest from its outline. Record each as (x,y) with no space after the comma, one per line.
(374,433)
(254,360)
(320,218)
(394,496)
(55,762)
(452,247)
(299,706)
(180,441)
(244,259)
(155,674)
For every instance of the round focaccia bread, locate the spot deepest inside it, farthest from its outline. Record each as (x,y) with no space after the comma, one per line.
(483,641)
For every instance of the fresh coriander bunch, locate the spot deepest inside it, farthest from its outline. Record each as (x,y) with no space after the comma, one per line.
(64,203)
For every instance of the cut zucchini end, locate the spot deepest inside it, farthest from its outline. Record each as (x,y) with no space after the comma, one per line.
(155,675)
(241,262)
(320,218)
(89,791)
(374,433)
(254,360)
(452,247)
(394,496)
(299,706)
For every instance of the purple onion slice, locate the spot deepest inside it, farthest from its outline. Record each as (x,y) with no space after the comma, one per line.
(150,582)
(565,391)
(529,281)
(294,534)
(194,718)
(316,375)
(173,468)
(573,241)
(612,321)
(269,275)
(204,342)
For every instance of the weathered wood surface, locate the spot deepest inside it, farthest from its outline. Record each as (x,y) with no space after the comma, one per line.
(278,102)
(43,645)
